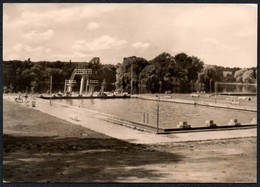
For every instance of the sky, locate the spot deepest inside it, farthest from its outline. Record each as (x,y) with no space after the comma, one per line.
(218,34)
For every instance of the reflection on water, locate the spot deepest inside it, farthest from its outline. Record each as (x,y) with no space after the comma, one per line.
(170,113)
(245,88)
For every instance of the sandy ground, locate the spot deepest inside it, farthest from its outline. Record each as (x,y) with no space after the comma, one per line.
(39,147)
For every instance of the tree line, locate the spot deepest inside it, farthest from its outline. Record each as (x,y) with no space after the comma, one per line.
(165,73)
(180,73)
(27,76)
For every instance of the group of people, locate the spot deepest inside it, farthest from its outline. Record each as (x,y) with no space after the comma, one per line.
(20,100)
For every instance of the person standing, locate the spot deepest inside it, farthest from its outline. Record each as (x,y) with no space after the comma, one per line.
(26,97)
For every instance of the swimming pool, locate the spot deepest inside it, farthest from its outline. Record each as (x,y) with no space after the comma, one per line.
(171,114)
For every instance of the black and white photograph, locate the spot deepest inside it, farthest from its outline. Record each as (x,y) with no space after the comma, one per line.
(129,93)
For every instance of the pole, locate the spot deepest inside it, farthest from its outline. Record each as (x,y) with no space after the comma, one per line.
(82,85)
(158,115)
(216,92)
(65,88)
(132,79)
(210,82)
(87,86)
(139,85)
(50,89)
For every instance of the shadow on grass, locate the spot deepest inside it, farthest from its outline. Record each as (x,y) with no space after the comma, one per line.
(71,159)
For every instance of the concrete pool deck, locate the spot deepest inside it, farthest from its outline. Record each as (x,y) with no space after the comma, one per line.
(79,116)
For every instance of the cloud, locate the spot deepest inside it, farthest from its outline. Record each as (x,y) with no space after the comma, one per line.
(140,45)
(35,36)
(18,47)
(202,30)
(72,56)
(104,42)
(80,55)
(92,26)
(228,47)
(23,51)
(247,32)
(211,41)
(215,16)
(56,14)
(28,49)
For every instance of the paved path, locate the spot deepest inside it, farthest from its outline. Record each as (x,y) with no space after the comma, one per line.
(127,134)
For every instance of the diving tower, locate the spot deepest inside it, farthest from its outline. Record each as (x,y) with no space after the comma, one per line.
(85,78)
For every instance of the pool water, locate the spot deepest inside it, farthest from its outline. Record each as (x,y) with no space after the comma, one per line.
(170,114)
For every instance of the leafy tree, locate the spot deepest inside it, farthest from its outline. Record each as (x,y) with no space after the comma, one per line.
(107,73)
(94,64)
(153,83)
(11,87)
(208,77)
(179,73)
(34,86)
(188,68)
(171,72)
(239,75)
(131,65)
(147,72)
(248,76)
(229,78)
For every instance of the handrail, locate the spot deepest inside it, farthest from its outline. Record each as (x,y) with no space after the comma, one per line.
(80,72)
